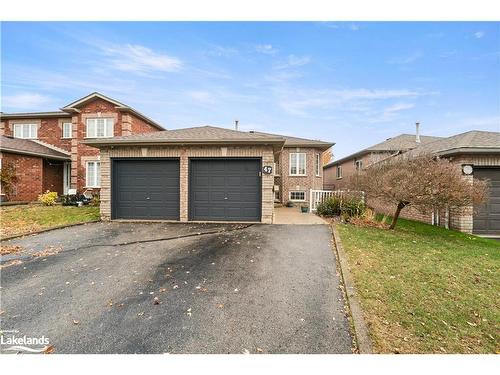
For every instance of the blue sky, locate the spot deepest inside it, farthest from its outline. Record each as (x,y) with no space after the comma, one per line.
(352,83)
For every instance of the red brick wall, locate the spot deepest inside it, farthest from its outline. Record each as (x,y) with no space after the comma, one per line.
(29,176)
(141,126)
(49,130)
(53,176)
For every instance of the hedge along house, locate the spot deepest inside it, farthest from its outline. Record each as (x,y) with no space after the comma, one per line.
(196,174)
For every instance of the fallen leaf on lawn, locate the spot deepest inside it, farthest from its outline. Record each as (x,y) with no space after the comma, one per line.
(472,324)
(110,303)
(162,290)
(236,290)
(175,286)
(156,301)
(220,306)
(141,313)
(76,322)
(259,350)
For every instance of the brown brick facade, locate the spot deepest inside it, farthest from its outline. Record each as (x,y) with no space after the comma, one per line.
(288,183)
(184,153)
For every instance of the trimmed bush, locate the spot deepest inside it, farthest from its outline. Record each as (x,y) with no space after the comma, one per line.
(346,207)
(48,198)
(329,207)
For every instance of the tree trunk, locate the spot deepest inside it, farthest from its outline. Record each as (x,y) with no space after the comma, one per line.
(401,205)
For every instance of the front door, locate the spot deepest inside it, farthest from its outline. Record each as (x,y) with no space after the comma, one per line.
(66,178)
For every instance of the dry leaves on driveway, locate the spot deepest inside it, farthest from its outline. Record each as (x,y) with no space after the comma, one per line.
(9,249)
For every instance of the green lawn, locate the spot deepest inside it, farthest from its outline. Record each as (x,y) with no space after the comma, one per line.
(425,289)
(31,218)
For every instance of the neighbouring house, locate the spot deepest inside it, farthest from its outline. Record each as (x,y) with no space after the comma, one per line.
(338,172)
(205,174)
(47,148)
(475,153)
(37,167)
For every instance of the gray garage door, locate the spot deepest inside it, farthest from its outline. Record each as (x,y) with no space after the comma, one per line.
(487,219)
(145,189)
(225,189)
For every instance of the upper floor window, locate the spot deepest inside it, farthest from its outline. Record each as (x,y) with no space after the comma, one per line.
(359,164)
(66,129)
(317,165)
(27,131)
(99,127)
(339,171)
(297,164)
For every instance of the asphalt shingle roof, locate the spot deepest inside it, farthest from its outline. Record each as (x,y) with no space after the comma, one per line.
(402,142)
(468,141)
(202,134)
(26,146)
(296,141)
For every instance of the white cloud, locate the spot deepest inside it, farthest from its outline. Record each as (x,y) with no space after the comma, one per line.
(204,97)
(294,62)
(479,34)
(222,51)
(408,59)
(399,107)
(267,49)
(354,100)
(140,59)
(26,101)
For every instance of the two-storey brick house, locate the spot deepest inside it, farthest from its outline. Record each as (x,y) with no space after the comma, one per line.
(46,149)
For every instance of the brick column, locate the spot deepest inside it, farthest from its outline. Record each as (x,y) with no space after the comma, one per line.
(184,188)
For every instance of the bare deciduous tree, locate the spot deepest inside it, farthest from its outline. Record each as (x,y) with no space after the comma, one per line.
(425,182)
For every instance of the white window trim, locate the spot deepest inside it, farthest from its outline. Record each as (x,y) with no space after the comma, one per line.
(21,125)
(337,174)
(92,184)
(297,164)
(360,162)
(94,135)
(70,130)
(296,191)
(318,165)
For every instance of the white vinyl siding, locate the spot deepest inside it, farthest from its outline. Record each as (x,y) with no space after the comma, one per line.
(99,127)
(297,195)
(318,164)
(26,131)
(93,174)
(67,128)
(297,164)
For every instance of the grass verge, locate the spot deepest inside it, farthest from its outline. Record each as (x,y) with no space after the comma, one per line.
(425,289)
(32,218)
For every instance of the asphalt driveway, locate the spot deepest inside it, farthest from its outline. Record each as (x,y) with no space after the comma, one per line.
(219,289)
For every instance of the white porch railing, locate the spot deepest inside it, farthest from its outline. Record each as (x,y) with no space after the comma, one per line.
(318,196)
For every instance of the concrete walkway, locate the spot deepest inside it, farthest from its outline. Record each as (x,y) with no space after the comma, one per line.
(292,215)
